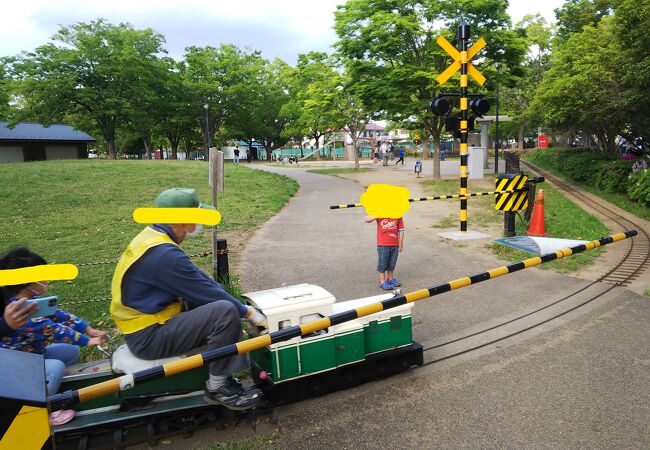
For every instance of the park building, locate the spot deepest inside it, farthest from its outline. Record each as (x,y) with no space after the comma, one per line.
(29,141)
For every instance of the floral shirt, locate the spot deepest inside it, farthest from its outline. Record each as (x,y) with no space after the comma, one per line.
(39,332)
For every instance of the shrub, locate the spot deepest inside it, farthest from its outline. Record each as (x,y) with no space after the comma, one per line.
(613,176)
(630,177)
(638,186)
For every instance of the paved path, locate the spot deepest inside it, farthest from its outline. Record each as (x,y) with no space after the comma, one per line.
(581,381)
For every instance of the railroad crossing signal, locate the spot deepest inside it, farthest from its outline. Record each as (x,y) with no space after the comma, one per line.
(455,66)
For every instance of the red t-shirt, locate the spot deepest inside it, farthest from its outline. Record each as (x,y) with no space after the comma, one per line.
(388,232)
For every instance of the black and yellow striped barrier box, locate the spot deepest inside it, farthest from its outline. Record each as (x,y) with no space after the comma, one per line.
(511,201)
(24,420)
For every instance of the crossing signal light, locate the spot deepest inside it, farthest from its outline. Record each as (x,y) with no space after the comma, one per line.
(439,106)
(479,106)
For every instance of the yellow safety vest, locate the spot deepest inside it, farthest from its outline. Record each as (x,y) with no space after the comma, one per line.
(130,320)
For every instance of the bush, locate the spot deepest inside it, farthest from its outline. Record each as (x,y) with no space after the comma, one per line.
(613,176)
(585,166)
(638,186)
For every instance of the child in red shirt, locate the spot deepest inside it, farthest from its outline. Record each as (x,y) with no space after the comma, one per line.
(390,241)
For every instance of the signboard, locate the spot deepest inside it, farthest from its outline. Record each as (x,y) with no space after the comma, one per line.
(542,141)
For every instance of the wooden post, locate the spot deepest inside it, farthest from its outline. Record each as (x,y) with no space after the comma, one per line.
(216,181)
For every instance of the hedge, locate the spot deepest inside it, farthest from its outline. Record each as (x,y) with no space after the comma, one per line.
(628,177)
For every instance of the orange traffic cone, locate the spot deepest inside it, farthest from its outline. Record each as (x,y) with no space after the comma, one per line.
(536,227)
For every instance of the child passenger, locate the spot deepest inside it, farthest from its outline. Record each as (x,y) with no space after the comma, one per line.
(57,337)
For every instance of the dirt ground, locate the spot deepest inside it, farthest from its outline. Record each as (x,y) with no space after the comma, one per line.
(437,215)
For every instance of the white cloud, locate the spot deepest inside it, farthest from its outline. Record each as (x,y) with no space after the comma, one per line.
(279,28)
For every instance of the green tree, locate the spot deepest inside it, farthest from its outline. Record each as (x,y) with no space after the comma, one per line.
(352,113)
(5,91)
(174,114)
(95,76)
(275,96)
(582,88)
(312,89)
(217,77)
(574,15)
(516,100)
(390,52)
(631,24)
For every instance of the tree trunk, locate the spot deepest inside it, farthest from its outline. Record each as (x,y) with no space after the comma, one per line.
(424,137)
(425,153)
(110,145)
(436,158)
(520,136)
(356,153)
(147,147)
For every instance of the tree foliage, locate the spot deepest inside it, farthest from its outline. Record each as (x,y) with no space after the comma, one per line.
(390,52)
(95,77)
(312,87)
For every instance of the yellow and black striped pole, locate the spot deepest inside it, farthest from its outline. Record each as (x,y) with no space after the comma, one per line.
(463,37)
(69,398)
(438,197)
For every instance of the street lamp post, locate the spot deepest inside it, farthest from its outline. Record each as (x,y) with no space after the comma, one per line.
(207,133)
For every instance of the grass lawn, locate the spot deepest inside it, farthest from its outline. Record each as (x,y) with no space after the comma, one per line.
(80,212)
(563,218)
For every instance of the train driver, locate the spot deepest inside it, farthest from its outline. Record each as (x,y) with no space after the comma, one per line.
(153,277)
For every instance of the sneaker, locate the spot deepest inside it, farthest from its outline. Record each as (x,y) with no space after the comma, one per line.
(233,396)
(386,286)
(62,416)
(395,283)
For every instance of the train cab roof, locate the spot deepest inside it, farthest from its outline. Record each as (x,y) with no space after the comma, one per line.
(288,299)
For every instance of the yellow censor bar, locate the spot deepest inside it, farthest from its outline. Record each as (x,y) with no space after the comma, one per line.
(69,398)
(177,215)
(45,272)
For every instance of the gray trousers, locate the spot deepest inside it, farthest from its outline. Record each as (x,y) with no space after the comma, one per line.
(216,324)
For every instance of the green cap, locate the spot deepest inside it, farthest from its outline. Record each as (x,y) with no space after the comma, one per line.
(180,198)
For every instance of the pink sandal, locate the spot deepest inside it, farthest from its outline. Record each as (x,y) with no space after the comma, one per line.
(62,416)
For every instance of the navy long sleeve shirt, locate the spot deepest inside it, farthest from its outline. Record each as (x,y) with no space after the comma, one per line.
(5,330)
(164,273)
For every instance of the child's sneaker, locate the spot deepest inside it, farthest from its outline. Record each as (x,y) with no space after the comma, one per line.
(386,286)
(395,283)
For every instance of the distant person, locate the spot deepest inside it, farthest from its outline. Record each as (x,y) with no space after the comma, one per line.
(249,155)
(390,242)
(418,167)
(236,158)
(443,151)
(401,155)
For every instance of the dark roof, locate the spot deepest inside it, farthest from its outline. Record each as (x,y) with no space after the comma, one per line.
(371,126)
(29,131)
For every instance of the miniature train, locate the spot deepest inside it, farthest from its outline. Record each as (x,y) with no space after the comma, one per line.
(342,356)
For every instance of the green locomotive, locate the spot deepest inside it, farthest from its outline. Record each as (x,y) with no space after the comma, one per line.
(341,356)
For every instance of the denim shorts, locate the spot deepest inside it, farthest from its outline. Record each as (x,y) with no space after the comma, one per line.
(387,258)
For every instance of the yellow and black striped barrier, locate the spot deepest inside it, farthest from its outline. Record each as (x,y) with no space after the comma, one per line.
(513,194)
(24,419)
(440,197)
(69,398)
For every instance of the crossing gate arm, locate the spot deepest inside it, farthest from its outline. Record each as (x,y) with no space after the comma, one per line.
(69,398)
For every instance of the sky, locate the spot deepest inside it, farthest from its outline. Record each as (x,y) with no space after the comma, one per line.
(278,28)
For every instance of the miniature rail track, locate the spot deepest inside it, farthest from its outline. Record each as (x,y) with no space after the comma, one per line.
(634,262)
